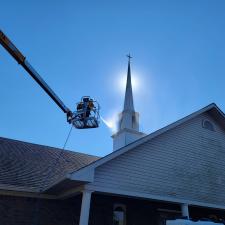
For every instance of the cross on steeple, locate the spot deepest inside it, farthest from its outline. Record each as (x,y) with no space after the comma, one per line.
(129,57)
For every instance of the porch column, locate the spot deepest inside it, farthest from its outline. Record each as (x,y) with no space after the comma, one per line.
(185,211)
(85,207)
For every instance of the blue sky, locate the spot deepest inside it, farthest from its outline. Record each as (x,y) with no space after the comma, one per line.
(79,48)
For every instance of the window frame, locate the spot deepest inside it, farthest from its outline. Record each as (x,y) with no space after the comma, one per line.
(123,206)
(210,126)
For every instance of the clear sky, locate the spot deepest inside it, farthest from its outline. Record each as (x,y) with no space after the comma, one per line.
(79,48)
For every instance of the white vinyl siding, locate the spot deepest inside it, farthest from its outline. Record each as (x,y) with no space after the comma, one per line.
(187,162)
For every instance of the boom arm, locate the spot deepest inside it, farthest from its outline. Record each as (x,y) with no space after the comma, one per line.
(18,56)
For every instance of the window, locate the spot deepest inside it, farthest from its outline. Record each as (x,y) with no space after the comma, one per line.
(208,125)
(119,214)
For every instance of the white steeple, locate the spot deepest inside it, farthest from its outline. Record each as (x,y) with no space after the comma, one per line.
(128,126)
(128,102)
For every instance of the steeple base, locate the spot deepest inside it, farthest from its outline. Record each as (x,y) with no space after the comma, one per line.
(125,137)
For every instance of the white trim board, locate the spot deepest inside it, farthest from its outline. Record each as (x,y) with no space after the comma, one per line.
(26,194)
(154,197)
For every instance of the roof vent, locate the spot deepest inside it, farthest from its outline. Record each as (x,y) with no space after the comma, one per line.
(208,125)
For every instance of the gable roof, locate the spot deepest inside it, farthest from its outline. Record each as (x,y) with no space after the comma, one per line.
(25,166)
(212,109)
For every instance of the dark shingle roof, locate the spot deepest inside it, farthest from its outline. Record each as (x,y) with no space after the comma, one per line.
(31,167)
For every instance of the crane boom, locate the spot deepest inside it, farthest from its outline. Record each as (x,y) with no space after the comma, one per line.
(18,56)
(85,117)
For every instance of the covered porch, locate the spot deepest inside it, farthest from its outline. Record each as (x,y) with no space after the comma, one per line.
(108,209)
(95,208)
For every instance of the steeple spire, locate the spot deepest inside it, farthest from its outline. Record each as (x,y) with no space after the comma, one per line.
(128,126)
(128,102)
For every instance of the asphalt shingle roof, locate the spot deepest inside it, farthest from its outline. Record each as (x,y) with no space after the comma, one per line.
(31,167)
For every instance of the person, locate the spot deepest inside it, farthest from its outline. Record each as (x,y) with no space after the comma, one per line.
(91,104)
(80,114)
(83,109)
(89,107)
(79,106)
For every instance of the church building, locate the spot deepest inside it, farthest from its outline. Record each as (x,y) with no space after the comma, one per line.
(174,172)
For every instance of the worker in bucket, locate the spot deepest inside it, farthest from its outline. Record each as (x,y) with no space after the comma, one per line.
(90,107)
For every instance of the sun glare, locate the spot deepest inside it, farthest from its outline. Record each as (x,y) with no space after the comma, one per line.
(134,80)
(111,121)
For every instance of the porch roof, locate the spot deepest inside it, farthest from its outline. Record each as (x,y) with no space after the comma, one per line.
(31,167)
